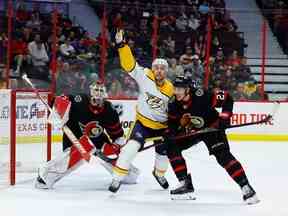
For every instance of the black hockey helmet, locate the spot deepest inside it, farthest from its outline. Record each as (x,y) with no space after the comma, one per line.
(182,81)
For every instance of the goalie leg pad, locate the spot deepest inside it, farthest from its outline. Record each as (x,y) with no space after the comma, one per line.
(62,165)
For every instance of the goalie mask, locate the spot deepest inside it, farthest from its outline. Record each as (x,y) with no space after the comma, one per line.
(97,93)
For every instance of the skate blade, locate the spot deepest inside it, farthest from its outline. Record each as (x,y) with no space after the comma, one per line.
(41,186)
(252,200)
(187,196)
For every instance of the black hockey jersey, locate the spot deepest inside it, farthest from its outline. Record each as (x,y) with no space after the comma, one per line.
(83,121)
(202,108)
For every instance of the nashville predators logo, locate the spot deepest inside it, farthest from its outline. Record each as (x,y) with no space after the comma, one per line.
(155,103)
(91,129)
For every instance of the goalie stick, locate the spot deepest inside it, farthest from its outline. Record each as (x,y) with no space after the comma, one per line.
(86,155)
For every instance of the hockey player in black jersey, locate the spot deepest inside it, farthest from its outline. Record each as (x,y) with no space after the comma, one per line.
(193,109)
(92,119)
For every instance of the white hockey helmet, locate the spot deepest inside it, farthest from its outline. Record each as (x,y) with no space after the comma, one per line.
(160,61)
(98,93)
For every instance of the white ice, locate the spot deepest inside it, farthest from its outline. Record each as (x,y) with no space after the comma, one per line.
(84,192)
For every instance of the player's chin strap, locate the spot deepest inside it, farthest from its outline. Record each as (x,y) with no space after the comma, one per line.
(159,140)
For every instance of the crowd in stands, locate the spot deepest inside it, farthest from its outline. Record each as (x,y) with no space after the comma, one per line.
(276,13)
(181,39)
(31,46)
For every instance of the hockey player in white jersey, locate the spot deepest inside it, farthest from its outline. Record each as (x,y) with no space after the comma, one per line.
(151,113)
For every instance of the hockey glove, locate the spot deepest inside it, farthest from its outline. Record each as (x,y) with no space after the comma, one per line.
(119,38)
(224,120)
(111,150)
(185,120)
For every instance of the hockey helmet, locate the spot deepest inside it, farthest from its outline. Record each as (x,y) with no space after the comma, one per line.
(160,61)
(98,93)
(182,81)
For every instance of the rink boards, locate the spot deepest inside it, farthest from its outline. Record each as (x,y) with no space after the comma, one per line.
(31,118)
(244,112)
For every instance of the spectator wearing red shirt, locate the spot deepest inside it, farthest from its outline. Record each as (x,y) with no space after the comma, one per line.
(19,52)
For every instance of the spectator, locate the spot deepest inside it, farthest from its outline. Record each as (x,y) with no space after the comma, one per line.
(66,82)
(67,50)
(19,52)
(243,72)
(174,69)
(22,15)
(186,58)
(37,52)
(34,22)
(115,89)
(239,93)
(195,70)
(182,23)
(39,58)
(169,47)
(193,22)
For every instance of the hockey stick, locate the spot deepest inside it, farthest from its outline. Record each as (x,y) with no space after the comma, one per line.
(159,140)
(86,155)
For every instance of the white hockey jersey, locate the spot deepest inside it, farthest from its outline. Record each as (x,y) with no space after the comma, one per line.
(152,105)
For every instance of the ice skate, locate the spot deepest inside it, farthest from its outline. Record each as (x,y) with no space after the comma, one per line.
(40,184)
(185,191)
(249,195)
(161,180)
(115,185)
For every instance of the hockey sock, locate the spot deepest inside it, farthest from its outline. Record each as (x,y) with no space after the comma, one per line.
(179,166)
(233,168)
(161,164)
(127,154)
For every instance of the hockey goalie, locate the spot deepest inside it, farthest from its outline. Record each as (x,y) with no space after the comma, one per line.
(95,126)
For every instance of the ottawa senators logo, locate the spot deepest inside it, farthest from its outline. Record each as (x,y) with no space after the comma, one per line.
(196,122)
(91,129)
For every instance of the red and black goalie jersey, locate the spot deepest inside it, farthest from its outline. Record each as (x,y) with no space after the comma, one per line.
(83,120)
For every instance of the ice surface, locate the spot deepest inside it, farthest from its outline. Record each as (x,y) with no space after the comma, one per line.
(84,192)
